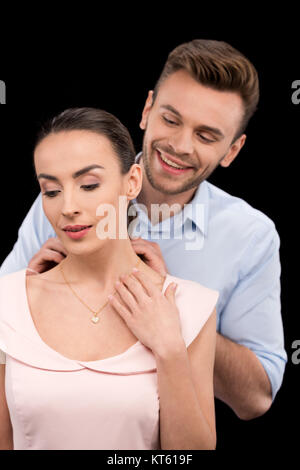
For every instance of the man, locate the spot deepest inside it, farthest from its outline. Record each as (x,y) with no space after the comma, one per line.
(194,120)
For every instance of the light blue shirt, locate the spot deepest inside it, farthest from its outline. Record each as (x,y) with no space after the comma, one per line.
(219,241)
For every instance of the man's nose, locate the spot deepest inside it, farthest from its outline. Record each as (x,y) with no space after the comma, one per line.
(181,141)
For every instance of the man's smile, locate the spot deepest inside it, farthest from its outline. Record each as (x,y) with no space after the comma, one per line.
(171,165)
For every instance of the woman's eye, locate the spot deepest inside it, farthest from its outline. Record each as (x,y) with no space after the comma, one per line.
(90,187)
(50,193)
(86,187)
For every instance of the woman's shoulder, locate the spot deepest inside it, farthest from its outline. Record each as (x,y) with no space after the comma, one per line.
(11,278)
(11,282)
(11,294)
(195,303)
(189,286)
(51,275)
(13,287)
(191,296)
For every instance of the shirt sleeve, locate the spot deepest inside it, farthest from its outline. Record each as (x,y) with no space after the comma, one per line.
(252,316)
(2,357)
(32,234)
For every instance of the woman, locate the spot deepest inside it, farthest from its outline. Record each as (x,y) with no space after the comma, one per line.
(100,352)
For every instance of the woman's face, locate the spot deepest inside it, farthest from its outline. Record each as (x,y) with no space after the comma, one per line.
(78,172)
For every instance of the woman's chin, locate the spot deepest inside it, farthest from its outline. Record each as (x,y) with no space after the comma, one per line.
(85,249)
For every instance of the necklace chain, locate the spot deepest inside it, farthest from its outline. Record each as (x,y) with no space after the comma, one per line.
(95,318)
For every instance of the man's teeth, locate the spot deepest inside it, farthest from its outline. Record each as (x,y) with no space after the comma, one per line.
(166,160)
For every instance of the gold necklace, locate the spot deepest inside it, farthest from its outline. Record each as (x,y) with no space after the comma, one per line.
(95,318)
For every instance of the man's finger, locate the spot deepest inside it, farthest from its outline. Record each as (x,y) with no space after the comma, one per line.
(144,250)
(31,272)
(155,246)
(55,244)
(45,255)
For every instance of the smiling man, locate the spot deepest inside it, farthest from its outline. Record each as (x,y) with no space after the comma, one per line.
(194,121)
(190,130)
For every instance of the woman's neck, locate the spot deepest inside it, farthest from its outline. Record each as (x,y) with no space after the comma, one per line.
(102,267)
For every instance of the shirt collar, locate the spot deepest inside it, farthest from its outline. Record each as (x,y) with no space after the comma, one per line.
(197,210)
(137,157)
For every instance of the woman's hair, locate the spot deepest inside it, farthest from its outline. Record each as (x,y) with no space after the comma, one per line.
(98,121)
(219,66)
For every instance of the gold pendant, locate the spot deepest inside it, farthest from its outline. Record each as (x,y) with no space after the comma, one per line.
(95,319)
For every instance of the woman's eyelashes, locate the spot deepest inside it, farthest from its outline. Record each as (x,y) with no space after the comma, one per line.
(86,187)
(90,187)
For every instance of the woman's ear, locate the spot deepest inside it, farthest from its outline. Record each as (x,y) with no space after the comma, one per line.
(146,110)
(134,181)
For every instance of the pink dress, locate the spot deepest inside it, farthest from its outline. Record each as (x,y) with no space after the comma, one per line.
(61,404)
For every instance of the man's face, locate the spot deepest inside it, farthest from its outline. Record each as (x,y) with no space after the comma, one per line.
(188,132)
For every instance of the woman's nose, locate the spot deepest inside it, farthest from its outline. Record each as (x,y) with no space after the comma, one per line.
(69,212)
(70,207)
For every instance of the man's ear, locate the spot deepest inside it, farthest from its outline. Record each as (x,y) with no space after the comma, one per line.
(146,110)
(233,151)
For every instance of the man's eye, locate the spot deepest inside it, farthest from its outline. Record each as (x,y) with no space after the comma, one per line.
(169,120)
(206,139)
(90,187)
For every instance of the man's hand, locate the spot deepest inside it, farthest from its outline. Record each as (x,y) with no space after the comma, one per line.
(51,253)
(151,253)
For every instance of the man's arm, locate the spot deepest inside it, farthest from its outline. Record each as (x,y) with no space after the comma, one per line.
(250,356)
(240,380)
(34,231)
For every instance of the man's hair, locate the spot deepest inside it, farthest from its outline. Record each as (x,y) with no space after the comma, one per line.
(219,66)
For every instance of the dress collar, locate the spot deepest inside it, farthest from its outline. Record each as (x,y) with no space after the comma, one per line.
(20,339)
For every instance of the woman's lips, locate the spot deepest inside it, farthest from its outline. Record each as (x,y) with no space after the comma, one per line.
(170,169)
(78,234)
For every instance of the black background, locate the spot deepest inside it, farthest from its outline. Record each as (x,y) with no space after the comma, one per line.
(116,74)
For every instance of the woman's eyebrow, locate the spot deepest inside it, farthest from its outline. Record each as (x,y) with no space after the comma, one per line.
(75,175)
